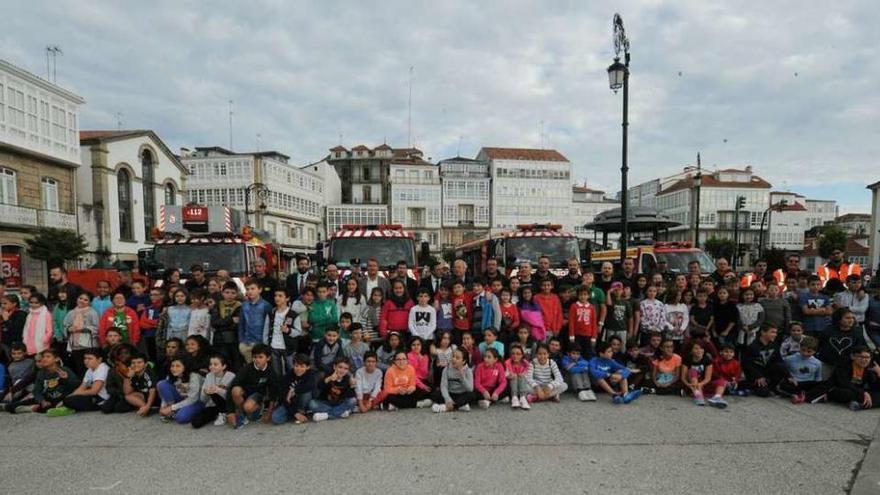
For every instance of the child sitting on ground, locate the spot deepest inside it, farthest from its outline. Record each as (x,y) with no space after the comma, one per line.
(180,393)
(806,373)
(791,345)
(639,366)
(356,348)
(610,376)
(577,373)
(140,385)
(253,388)
(666,370)
(53,382)
(368,383)
(92,392)
(214,393)
(334,395)
(696,374)
(728,373)
(456,389)
(545,378)
(296,392)
(517,370)
(326,352)
(489,378)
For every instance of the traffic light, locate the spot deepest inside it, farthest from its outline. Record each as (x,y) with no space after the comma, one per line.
(740,202)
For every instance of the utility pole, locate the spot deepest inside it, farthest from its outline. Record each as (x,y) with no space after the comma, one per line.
(698,182)
(740,203)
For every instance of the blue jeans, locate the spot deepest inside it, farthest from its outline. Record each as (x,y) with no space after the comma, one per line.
(169,395)
(282,414)
(333,411)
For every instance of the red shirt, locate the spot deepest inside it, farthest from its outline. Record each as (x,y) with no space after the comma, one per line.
(582,320)
(511,313)
(462,311)
(132,321)
(551,310)
(728,370)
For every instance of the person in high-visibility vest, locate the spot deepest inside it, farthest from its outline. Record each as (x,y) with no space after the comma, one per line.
(792,267)
(837,268)
(759,273)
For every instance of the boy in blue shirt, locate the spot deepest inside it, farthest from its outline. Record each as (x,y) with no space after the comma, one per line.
(611,376)
(577,373)
(816,308)
(806,373)
(253,323)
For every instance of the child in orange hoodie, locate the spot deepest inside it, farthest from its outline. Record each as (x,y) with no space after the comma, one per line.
(401,388)
(551,308)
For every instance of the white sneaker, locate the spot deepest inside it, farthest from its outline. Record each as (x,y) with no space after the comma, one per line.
(484,404)
(590,395)
(582,395)
(514,402)
(220,420)
(345,414)
(524,403)
(465,408)
(438,408)
(505,400)
(392,407)
(424,403)
(319,416)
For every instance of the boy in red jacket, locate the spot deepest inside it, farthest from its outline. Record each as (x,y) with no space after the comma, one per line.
(726,373)
(583,325)
(551,308)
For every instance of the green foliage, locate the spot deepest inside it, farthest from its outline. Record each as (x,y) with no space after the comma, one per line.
(55,246)
(833,237)
(719,248)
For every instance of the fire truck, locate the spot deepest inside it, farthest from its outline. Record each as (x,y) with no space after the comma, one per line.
(388,244)
(527,243)
(215,237)
(647,253)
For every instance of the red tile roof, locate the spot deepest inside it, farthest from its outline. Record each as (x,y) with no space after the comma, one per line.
(103,134)
(338,148)
(360,147)
(524,154)
(791,207)
(709,180)
(583,189)
(382,146)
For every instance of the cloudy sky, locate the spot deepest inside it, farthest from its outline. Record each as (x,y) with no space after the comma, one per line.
(791,89)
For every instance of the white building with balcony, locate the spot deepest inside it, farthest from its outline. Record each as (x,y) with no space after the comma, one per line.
(39,157)
(466,200)
(294,208)
(820,212)
(787,220)
(126,175)
(415,197)
(528,186)
(586,204)
(718,195)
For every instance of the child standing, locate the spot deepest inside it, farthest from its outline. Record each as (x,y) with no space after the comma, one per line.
(396,310)
(356,348)
(441,354)
(551,308)
(489,378)
(443,309)
(531,316)
(351,301)
(545,378)
(509,318)
(486,310)
(517,370)
(456,389)
(37,334)
(225,316)
(199,318)
(725,316)
(490,341)
(373,317)
(577,372)
(323,313)
(792,344)
(652,314)
(702,313)
(283,336)
(678,316)
(583,323)
(751,317)
(462,310)
(422,321)
(177,323)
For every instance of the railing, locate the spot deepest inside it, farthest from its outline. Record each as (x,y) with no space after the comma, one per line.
(730,225)
(18,215)
(56,219)
(415,180)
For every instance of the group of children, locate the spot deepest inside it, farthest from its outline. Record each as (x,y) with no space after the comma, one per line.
(198,357)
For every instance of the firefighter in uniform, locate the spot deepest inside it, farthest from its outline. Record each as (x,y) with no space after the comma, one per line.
(837,268)
(792,267)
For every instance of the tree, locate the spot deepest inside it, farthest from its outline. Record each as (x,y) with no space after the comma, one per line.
(720,248)
(832,238)
(55,246)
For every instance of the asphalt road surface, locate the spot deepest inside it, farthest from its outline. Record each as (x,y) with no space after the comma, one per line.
(655,445)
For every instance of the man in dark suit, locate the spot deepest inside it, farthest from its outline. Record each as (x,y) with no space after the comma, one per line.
(460,274)
(433,282)
(374,279)
(296,281)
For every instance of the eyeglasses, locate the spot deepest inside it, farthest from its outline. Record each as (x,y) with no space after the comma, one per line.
(862,357)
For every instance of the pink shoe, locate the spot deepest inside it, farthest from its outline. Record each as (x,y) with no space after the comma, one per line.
(532,398)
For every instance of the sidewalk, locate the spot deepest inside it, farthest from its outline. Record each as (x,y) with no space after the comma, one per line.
(867,480)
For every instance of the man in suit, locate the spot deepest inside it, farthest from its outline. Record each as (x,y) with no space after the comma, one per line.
(374,279)
(460,274)
(296,281)
(434,281)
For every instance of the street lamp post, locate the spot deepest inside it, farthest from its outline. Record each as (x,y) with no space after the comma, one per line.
(262,192)
(740,204)
(618,77)
(698,182)
(778,207)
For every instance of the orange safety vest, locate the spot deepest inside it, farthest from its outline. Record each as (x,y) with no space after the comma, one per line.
(748,278)
(779,276)
(826,272)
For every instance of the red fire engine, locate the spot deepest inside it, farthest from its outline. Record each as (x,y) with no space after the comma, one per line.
(388,244)
(526,243)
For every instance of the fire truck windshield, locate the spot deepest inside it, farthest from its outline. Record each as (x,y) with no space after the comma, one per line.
(558,249)
(677,261)
(212,257)
(386,250)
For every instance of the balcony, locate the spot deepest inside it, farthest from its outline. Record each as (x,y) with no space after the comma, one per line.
(31,217)
(730,225)
(420,181)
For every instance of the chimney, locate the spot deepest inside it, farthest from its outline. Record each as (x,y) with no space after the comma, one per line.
(749,168)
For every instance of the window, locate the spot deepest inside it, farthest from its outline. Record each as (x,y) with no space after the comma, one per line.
(49,194)
(367,194)
(8,189)
(149,194)
(170,194)
(123,190)
(366,173)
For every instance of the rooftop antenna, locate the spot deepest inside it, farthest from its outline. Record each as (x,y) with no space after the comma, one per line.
(52,51)
(230,125)
(409,116)
(118,121)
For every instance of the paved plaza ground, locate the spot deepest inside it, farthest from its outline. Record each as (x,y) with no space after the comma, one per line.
(655,445)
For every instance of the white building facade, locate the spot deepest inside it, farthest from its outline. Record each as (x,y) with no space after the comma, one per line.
(294,208)
(466,200)
(820,212)
(788,222)
(415,197)
(125,176)
(528,186)
(39,157)
(586,204)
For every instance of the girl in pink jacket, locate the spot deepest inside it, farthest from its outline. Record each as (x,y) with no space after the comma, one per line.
(490,380)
